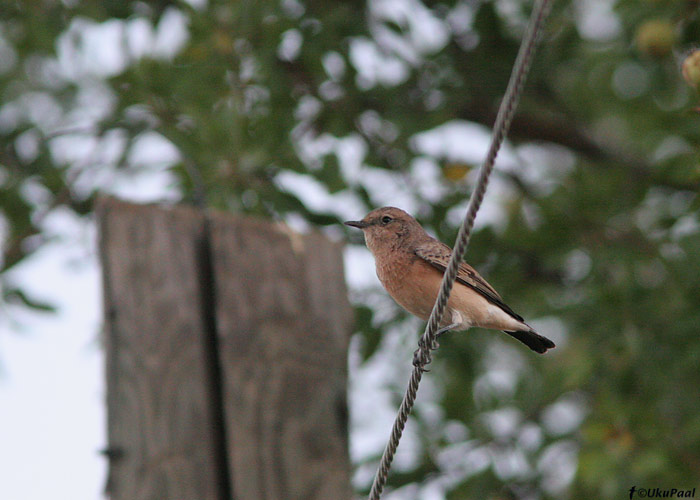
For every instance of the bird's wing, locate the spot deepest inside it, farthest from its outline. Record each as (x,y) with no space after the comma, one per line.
(437,254)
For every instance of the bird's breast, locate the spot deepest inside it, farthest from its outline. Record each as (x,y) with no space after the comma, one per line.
(413,283)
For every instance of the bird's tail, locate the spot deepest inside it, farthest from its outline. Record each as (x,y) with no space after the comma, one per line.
(533,340)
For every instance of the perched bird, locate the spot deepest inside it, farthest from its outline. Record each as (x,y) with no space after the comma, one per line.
(410,264)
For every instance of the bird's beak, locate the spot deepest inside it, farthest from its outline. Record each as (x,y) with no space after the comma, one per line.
(356,223)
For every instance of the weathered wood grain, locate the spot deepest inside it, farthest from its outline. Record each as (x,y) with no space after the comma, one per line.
(159,416)
(270,421)
(284,323)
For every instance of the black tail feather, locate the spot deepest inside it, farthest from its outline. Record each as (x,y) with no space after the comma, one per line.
(533,340)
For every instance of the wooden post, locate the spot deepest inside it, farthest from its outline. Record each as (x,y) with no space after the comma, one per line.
(226,343)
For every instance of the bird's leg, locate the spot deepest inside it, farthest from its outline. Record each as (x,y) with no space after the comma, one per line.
(422,357)
(442,330)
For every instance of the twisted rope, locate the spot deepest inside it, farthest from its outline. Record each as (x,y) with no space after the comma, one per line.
(427,342)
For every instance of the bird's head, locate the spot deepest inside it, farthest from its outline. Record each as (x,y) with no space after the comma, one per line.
(388,227)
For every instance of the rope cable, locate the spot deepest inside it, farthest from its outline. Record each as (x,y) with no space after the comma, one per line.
(427,342)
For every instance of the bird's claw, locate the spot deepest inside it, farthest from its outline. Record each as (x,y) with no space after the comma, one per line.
(421,357)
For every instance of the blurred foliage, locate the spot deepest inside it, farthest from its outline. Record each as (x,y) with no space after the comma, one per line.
(606,254)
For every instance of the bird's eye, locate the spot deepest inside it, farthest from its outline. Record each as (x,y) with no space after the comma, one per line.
(386,219)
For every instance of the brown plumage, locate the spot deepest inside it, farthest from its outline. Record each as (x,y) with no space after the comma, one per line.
(410,264)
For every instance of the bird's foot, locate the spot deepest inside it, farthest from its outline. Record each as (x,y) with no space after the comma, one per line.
(421,356)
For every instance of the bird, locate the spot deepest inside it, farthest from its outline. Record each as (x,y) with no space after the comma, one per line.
(410,265)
